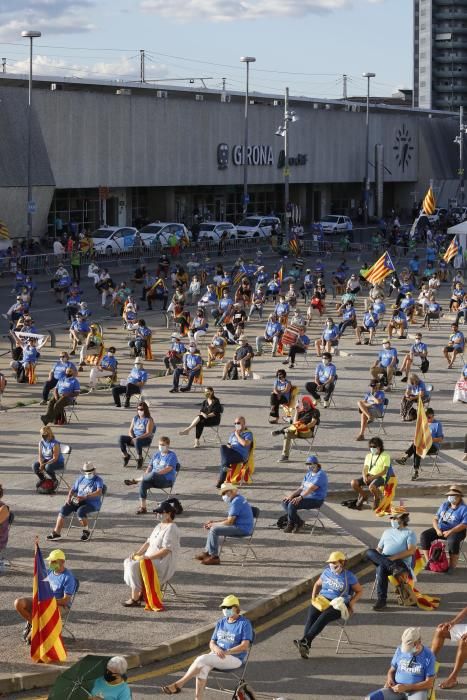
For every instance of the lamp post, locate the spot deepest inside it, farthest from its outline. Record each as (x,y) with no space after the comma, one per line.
(30,35)
(247,60)
(368,76)
(460,142)
(283,130)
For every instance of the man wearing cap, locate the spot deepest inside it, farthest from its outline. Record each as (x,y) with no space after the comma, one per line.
(450,524)
(456,631)
(238,523)
(393,555)
(385,364)
(64,394)
(192,364)
(85,496)
(309,495)
(229,645)
(62,583)
(112,685)
(370,407)
(412,670)
(241,359)
(134,385)
(418,349)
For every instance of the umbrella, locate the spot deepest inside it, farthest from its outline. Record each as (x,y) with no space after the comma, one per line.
(76,682)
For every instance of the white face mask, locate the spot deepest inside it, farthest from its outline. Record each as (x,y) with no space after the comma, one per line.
(163,449)
(452,499)
(226,498)
(89,475)
(336,568)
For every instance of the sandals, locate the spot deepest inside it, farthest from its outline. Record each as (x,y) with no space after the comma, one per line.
(132,603)
(130,482)
(141,511)
(172,689)
(447,684)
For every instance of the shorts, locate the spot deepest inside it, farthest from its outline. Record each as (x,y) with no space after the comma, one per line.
(457,631)
(451,348)
(378,481)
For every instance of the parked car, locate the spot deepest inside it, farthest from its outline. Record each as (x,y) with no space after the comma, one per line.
(113,239)
(257,226)
(214,230)
(332,223)
(159,232)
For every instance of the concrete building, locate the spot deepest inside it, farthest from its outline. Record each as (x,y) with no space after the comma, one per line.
(440,54)
(122,153)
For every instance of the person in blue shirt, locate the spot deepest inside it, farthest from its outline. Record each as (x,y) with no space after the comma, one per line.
(224,308)
(325,380)
(329,338)
(141,340)
(63,585)
(273,287)
(280,394)
(84,497)
(135,383)
(65,393)
(415,388)
(369,324)
(462,310)
(112,685)
(238,523)
(79,330)
(432,311)
(29,357)
(192,364)
(300,346)
(175,354)
(272,333)
(418,349)
(140,434)
(160,473)
(61,282)
(310,495)
(72,303)
(437,436)
(407,305)
(282,309)
(49,457)
(393,555)
(349,317)
(457,295)
(370,407)
(412,671)
(414,265)
(229,645)
(237,449)
(198,326)
(257,302)
(385,364)
(455,345)
(336,583)
(398,322)
(107,367)
(450,524)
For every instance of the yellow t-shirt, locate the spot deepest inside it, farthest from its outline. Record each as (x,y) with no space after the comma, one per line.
(377,465)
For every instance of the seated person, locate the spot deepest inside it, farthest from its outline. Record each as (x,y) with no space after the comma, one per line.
(280,394)
(140,434)
(418,349)
(349,317)
(63,585)
(338,281)
(386,364)
(72,303)
(224,308)
(282,309)
(84,497)
(449,524)
(157,290)
(462,310)
(216,348)
(397,322)
(273,287)
(229,645)
(415,388)
(329,338)
(241,359)
(194,290)
(291,296)
(162,548)
(130,314)
(134,384)
(238,523)
(29,357)
(432,311)
(92,345)
(456,631)
(257,302)
(112,684)
(369,323)
(235,323)
(393,555)
(376,293)
(353,284)
(310,495)
(437,437)
(272,334)
(49,457)
(370,407)
(4,527)
(457,296)
(300,346)
(79,330)
(64,394)
(174,356)
(243,293)
(325,380)
(304,422)
(160,473)
(60,283)
(209,298)
(407,305)
(107,367)
(423,301)
(455,345)
(412,671)
(198,326)
(209,415)
(119,297)
(374,472)
(142,339)
(237,449)
(192,364)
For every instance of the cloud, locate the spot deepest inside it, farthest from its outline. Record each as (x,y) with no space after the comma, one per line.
(47,16)
(230,10)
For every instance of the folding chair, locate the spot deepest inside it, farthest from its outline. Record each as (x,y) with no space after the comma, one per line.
(4,562)
(66,613)
(379,420)
(461,551)
(66,452)
(92,518)
(307,440)
(70,411)
(216,438)
(248,548)
(434,463)
(168,587)
(238,674)
(343,637)
(312,517)
(131,449)
(169,490)
(197,381)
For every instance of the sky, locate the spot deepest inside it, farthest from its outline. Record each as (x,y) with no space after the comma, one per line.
(306,45)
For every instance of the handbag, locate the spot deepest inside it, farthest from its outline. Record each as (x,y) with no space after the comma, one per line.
(321,603)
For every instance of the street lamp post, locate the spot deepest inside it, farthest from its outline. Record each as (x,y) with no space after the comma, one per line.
(368,76)
(283,130)
(30,35)
(247,60)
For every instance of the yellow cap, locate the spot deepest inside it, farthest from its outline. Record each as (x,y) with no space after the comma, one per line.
(229,601)
(56,554)
(336,556)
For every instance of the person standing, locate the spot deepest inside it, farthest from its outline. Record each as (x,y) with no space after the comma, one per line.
(75,261)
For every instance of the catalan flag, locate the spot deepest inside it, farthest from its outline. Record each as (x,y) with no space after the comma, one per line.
(389,492)
(380,270)
(294,246)
(429,204)
(452,251)
(280,275)
(240,274)
(4,232)
(151,587)
(46,634)
(422,440)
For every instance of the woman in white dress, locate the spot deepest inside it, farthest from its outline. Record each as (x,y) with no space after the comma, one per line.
(162,548)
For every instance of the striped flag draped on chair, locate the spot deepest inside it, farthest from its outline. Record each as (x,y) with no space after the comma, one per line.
(452,250)
(380,270)
(429,203)
(4,232)
(46,635)
(422,440)
(151,587)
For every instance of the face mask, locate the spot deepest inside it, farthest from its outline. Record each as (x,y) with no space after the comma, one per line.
(55,566)
(374,450)
(336,568)
(413,651)
(164,449)
(109,676)
(238,425)
(329,325)
(89,475)
(452,499)
(227,612)
(226,498)
(395,524)
(326,362)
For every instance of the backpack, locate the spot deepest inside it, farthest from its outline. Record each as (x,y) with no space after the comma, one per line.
(282,522)
(405,595)
(233,372)
(47,487)
(175,503)
(437,558)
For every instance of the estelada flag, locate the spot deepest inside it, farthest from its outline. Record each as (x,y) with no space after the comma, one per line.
(46,634)
(280,275)
(453,249)
(429,203)
(151,587)
(422,440)
(294,246)
(4,232)
(380,270)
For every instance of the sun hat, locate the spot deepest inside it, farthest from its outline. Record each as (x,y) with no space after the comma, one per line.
(454,490)
(336,556)
(409,636)
(88,467)
(230,600)
(56,554)
(227,486)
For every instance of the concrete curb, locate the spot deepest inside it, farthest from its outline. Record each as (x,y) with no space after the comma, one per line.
(404,491)
(180,645)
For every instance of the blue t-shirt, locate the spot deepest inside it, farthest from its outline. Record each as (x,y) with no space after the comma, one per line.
(143,332)
(67,385)
(282,309)
(370,398)
(272,328)
(449,517)
(140,425)
(137,375)
(83,486)
(457,340)
(436,429)
(386,356)
(225,303)
(121,691)
(379,307)
(192,361)
(161,461)
(464,370)
(230,634)
(47,449)
(281,385)
(61,584)
(335,585)
(273,286)
(320,479)
(60,368)
(243,450)
(241,510)
(331,333)
(349,314)
(80,326)
(30,354)
(324,372)
(413,669)
(407,303)
(434,307)
(416,389)
(396,540)
(370,320)
(109,362)
(419,348)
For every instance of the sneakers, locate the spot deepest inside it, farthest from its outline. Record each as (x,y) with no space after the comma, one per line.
(415,475)
(202,556)
(283,458)
(26,631)
(279,431)
(379,605)
(126,459)
(43,403)
(402,460)
(85,536)
(326,404)
(130,482)
(404,379)
(303,648)
(173,391)
(139,463)
(53,536)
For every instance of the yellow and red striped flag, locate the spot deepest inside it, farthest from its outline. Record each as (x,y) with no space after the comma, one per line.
(380,270)
(4,232)
(280,275)
(294,246)
(46,634)
(453,249)
(429,203)
(151,587)
(422,440)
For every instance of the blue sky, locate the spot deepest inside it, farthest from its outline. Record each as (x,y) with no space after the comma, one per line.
(319,39)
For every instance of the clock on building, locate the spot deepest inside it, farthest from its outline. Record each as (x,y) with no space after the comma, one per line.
(403,147)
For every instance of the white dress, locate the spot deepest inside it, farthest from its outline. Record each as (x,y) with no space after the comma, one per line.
(164,536)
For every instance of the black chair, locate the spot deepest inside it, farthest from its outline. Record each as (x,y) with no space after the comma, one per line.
(66,611)
(247,540)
